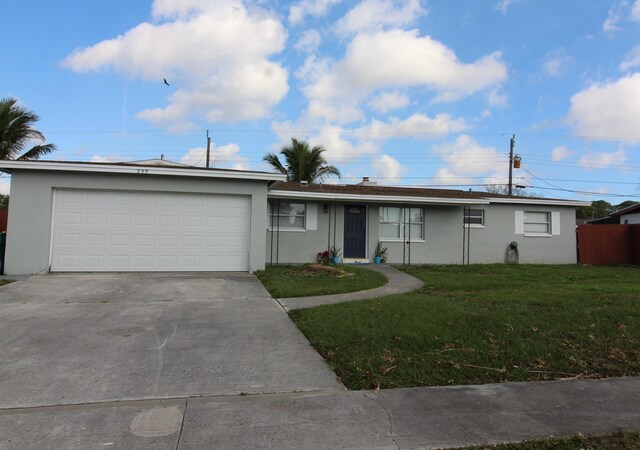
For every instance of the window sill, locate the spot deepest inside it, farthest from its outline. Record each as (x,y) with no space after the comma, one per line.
(537,235)
(282,230)
(402,240)
(473,226)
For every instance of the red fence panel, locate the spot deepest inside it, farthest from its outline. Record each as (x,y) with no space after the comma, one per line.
(609,244)
(4,215)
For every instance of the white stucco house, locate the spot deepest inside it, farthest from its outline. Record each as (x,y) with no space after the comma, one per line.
(629,215)
(118,217)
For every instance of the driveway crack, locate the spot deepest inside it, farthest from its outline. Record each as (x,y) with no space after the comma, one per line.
(184,414)
(389,418)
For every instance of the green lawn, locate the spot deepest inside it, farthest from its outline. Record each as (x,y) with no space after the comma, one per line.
(620,440)
(485,324)
(3,282)
(307,280)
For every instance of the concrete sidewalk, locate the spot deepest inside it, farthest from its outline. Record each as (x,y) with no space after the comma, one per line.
(399,283)
(436,417)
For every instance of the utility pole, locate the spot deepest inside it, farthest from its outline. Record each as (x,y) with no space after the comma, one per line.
(511,146)
(208,147)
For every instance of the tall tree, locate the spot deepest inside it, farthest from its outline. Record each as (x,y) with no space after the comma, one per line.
(17,132)
(302,163)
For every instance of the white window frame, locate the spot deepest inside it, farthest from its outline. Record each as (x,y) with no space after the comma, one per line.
(465,218)
(282,227)
(403,224)
(548,223)
(554,225)
(310,217)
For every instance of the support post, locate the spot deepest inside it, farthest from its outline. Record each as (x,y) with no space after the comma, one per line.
(208,147)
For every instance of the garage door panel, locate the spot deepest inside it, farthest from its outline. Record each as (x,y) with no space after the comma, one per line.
(143,231)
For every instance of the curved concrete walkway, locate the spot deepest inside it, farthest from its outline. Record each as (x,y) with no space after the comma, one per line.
(399,283)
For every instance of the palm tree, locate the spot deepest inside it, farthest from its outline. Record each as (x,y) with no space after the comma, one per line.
(302,162)
(16,132)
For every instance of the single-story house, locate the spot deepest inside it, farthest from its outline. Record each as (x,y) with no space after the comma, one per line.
(629,215)
(156,216)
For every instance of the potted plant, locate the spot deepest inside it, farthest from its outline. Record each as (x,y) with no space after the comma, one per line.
(323,257)
(334,254)
(380,254)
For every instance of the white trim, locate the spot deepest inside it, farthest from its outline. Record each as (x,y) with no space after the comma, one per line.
(311,222)
(555,223)
(519,216)
(388,199)
(538,201)
(134,169)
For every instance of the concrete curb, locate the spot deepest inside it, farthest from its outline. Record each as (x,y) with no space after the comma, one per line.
(399,283)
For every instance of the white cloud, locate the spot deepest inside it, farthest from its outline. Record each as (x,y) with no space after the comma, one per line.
(374,15)
(597,160)
(387,169)
(495,97)
(611,22)
(309,41)
(635,11)
(372,62)
(631,59)
(389,101)
(5,185)
(225,156)
(503,5)
(190,45)
(467,159)
(560,152)
(606,110)
(557,62)
(106,159)
(340,149)
(417,125)
(315,8)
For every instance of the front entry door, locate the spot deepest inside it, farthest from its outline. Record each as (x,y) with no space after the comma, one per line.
(355,231)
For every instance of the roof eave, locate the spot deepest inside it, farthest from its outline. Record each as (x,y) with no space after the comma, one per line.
(538,201)
(374,198)
(134,169)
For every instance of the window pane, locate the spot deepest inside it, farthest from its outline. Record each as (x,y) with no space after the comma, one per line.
(389,214)
(287,208)
(536,228)
(389,231)
(295,222)
(474,220)
(474,217)
(415,214)
(536,217)
(415,231)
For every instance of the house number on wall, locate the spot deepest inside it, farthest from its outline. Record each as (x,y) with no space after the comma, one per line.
(143,171)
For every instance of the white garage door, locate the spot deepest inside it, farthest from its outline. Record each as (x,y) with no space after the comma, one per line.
(114,231)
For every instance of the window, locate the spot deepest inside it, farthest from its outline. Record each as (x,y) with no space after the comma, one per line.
(401,223)
(537,223)
(290,216)
(474,217)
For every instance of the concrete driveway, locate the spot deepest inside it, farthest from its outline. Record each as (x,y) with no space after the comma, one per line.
(89,338)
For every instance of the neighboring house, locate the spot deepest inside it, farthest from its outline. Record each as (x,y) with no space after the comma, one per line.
(418,226)
(157,216)
(629,215)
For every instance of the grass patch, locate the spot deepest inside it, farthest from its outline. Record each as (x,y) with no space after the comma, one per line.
(3,282)
(313,279)
(485,324)
(620,440)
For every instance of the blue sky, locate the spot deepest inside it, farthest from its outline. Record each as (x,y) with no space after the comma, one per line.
(415,92)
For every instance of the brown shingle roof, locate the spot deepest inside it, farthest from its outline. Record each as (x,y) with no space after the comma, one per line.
(356,189)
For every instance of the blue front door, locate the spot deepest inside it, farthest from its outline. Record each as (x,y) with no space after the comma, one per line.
(355,231)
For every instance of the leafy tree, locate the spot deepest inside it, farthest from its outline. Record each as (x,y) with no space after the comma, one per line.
(4,201)
(302,162)
(16,132)
(624,205)
(597,210)
(503,189)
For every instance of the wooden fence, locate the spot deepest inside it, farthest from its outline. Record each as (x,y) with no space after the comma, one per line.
(609,244)
(4,215)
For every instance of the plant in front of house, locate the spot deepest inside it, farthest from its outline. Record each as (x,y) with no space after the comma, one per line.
(334,254)
(380,255)
(323,257)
